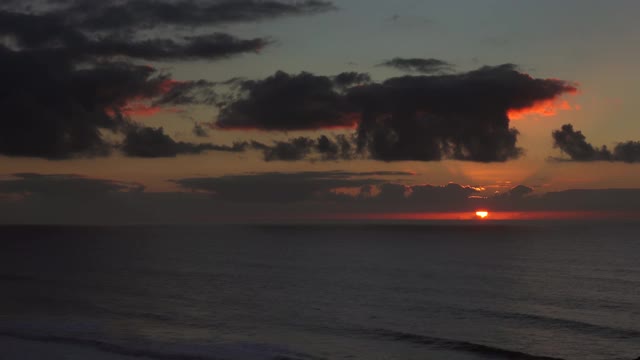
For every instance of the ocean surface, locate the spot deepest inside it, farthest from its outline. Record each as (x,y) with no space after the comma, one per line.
(276,292)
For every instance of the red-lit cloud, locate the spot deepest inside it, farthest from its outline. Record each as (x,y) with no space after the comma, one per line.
(543,108)
(141,105)
(141,110)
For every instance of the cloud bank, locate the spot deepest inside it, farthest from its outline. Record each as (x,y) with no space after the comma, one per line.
(278,196)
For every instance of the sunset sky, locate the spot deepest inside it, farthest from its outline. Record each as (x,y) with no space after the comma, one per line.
(174,111)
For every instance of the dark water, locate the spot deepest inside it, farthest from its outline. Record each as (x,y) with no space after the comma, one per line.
(545,291)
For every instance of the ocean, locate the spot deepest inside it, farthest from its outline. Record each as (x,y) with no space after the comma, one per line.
(538,290)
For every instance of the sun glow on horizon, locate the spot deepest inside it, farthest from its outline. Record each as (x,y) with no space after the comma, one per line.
(482,214)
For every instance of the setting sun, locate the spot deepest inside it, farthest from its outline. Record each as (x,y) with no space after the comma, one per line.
(482,214)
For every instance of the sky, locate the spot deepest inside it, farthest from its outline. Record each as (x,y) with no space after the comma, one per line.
(197,111)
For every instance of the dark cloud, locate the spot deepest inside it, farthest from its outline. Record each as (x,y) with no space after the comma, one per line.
(393,197)
(38,198)
(574,144)
(47,33)
(60,185)
(628,152)
(417,65)
(112,85)
(62,199)
(77,199)
(453,193)
(294,149)
(520,191)
(323,148)
(339,148)
(71,79)
(460,116)
(365,191)
(276,187)
(29,31)
(146,14)
(388,192)
(211,46)
(148,142)
(57,111)
(69,76)
(323,193)
(348,79)
(52,110)
(587,200)
(516,196)
(189,92)
(287,102)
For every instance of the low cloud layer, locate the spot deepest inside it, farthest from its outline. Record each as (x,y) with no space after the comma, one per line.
(357,191)
(281,187)
(60,185)
(574,144)
(276,196)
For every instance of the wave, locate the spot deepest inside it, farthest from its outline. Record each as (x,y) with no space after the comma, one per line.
(124,350)
(574,325)
(455,345)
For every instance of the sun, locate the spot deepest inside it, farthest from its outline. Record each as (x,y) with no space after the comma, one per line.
(482,214)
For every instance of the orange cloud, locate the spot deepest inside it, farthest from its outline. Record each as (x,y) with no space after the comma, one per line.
(547,107)
(544,108)
(145,110)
